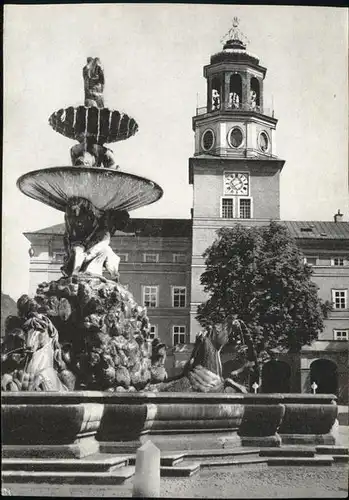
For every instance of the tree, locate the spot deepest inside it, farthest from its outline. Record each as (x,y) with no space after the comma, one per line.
(8,307)
(258,276)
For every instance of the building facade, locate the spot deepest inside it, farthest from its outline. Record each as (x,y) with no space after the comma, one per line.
(235,173)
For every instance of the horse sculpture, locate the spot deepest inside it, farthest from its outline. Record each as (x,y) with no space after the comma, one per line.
(203,371)
(39,359)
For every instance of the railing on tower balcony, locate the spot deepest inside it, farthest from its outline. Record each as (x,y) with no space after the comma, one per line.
(201,111)
(242,107)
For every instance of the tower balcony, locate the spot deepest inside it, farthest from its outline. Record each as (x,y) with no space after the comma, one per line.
(236,109)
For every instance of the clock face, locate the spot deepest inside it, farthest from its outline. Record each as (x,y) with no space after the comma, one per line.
(236,183)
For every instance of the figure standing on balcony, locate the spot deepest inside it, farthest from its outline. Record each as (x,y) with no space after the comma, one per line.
(216,100)
(234,100)
(253,99)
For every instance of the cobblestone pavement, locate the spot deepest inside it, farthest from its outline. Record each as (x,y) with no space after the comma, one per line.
(225,482)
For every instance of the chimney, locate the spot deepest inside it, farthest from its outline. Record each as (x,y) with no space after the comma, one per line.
(338,216)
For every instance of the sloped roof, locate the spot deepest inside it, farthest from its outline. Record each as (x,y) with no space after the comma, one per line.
(324,230)
(56,229)
(138,227)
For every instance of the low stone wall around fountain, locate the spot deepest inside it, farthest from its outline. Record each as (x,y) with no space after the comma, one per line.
(77,424)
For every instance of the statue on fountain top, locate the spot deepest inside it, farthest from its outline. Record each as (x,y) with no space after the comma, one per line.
(93,75)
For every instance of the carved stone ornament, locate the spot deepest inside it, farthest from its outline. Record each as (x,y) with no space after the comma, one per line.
(93,75)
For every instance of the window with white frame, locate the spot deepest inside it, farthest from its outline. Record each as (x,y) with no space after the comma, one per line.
(179,296)
(340,299)
(341,334)
(150,296)
(179,258)
(245,208)
(153,333)
(338,261)
(123,257)
(311,261)
(150,257)
(178,334)
(58,256)
(227,208)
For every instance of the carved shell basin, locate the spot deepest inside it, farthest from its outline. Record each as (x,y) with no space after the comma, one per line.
(105,188)
(100,124)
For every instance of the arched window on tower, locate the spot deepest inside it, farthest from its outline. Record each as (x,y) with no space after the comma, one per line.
(216,94)
(254,93)
(235,91)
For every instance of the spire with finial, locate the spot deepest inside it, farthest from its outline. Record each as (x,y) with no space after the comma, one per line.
(235,38)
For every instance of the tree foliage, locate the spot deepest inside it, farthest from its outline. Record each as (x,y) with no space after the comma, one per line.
(258,275)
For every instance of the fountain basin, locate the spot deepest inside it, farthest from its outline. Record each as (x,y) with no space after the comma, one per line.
(78,423)
(107,189)
(103,125)
(263,415)
(50,424)
(173,421)
(309,420)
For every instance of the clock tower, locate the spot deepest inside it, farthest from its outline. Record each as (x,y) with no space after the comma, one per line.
(235,170)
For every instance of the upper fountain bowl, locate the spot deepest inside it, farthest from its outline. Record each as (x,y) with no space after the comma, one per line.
(99,125)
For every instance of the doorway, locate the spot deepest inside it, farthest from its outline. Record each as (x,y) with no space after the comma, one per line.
(324,373)
(276,376)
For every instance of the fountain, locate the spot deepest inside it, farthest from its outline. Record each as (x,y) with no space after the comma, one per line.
(80,374)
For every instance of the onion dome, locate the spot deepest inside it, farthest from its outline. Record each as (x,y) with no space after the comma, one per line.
(234,48)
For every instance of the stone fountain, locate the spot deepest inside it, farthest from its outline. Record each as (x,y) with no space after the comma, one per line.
(80,374)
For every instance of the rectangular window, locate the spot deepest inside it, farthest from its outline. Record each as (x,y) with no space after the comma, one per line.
(178,334)
(150,257)
(58,256)
(178,296)
(245,208)
(179,258)
(339,299)
(153,331)
(311,261)
(150,296)
(337,261)
(123,257)
(227,208)
(341,334)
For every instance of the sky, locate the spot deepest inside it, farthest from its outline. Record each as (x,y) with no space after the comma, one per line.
(153,57)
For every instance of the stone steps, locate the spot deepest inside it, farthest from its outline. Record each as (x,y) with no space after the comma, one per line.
(185,469)
(287,452)
(102,463)
(332,450)
(117,476)
(225,452)
(290,455)
(226,462)
(226,457)
(300,460)
(344,459)
(103,468)
(169,459)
